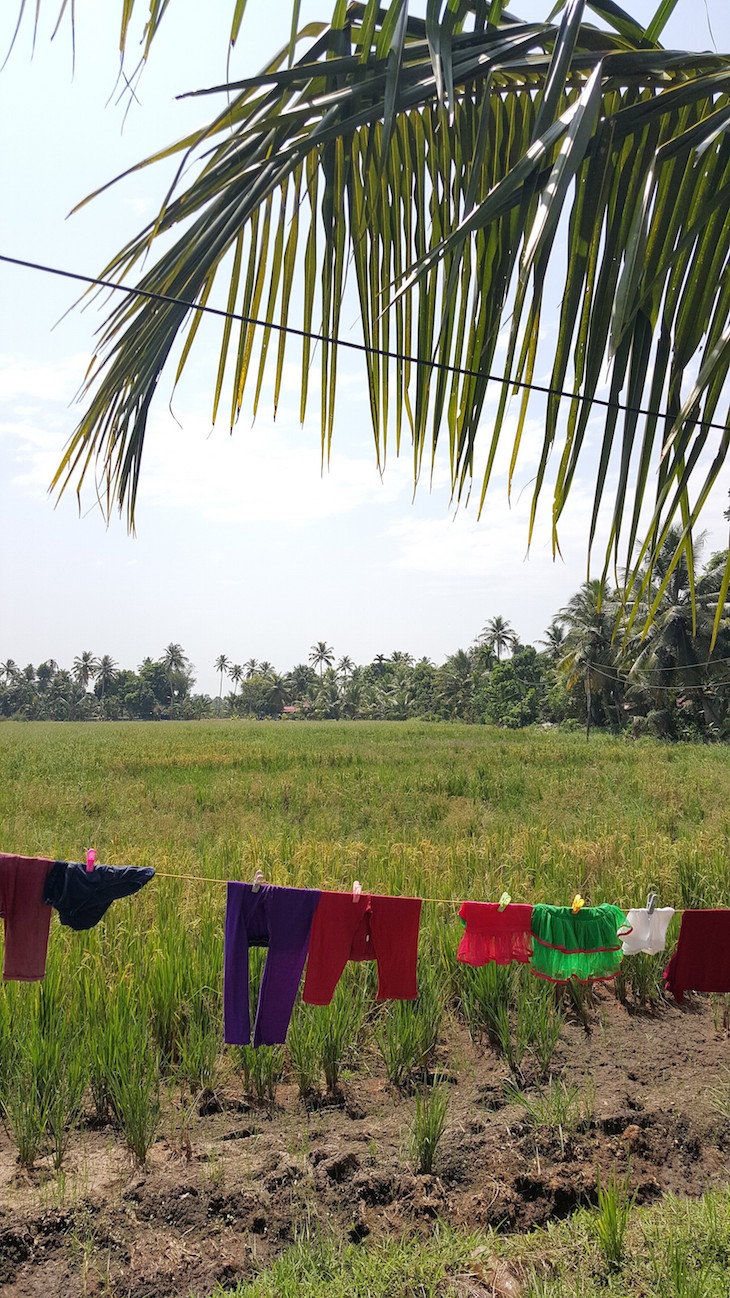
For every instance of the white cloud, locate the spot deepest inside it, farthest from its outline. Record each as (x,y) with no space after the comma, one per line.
(41,380)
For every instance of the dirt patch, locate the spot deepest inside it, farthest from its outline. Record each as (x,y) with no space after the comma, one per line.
(226,1196)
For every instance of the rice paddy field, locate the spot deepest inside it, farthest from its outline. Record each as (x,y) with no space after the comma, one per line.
(494,1137)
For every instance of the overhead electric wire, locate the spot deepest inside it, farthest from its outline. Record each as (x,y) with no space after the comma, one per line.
(336,341)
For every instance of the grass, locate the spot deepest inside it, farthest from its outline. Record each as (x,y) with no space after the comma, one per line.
(672,1250)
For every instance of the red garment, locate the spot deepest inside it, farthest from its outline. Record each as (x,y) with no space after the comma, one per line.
(371,928)
(701,962)
(494,934)
(27,917)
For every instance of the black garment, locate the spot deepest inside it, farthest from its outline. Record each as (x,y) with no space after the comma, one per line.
(81,897)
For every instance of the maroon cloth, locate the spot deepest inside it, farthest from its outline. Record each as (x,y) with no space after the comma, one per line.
(384,929)
(701,962)
(494,934)
(27,917)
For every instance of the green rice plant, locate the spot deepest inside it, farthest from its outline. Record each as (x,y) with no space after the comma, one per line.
(611,1218)
(303,1046)
(408,1031)
(135,1092)
(25,1109)
(338,1028)
(512,1037)
(682,1277)
(65,1095)
(720,1012)
(262,1068)
(198,1049)
(428,1125)
(643,975)
(560,1107)
(484,992)
(132,1063)
(543,1022)
(579,998)
(720,1096)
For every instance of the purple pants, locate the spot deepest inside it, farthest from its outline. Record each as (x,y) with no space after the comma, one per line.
(280,919)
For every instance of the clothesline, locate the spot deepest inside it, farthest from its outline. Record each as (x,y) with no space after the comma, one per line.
(206,878)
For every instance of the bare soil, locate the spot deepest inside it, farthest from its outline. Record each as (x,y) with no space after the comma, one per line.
(228,1184)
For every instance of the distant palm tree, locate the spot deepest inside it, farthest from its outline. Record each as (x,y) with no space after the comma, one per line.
(401,659)
(322,655)
(266,669)
(221,665)
(497,635)
(105,672)
(675,653)
(9,669)
(44,676)
(85,668)
(250,668)
(456,685)
(554,638)
(174,663)
(345,667)
(588,653)
(236,673)
(300,679)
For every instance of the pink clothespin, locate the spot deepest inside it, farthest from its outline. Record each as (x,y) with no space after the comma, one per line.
(356,891)
(257,881)
(90,859)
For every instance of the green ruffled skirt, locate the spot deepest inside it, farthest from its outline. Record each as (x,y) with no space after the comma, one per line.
(585,946)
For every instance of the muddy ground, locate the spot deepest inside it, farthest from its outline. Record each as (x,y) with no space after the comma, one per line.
(225,1192)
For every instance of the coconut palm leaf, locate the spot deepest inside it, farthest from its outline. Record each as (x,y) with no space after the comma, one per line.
(454,163)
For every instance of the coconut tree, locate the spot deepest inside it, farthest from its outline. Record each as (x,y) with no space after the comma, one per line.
(221,665)
(321,655)
(673,656)
(175,666)
(105,674)
(251,667)
(236,674)
(85,668)
(588,653)
(345,667)
(440,159)
(553,639)
(497,635)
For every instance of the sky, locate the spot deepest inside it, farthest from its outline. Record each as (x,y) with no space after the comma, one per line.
(243,546)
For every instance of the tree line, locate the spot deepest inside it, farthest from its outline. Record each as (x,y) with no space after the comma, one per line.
(593,667)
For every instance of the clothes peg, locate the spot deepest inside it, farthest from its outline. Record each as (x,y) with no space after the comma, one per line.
(578,903)
(650,903)
(257,881)
(90,860)
(356,891)
(504,901)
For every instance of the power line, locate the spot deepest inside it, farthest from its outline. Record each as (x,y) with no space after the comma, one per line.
(336,341)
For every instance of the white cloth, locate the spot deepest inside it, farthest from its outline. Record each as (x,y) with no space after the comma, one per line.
(649,932)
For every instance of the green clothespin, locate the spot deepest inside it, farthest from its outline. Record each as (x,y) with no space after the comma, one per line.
(504,900)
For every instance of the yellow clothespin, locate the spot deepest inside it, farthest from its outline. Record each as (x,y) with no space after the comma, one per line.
(578,903)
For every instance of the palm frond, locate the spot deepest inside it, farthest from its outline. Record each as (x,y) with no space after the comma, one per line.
(440,158)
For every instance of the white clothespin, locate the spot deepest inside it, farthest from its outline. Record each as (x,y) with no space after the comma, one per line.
(257,881)
(356,891)
(651,903)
